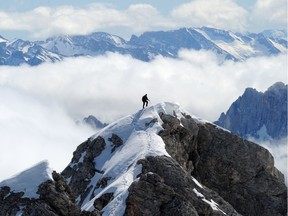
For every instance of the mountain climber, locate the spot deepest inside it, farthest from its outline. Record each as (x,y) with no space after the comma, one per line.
(145,100)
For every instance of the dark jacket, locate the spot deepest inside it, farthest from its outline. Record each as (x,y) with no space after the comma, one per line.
(145,98)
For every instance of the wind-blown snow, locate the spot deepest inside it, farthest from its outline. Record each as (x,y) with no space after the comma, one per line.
(29,180)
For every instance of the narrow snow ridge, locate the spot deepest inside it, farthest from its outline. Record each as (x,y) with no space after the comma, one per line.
(139,133)
(29,180)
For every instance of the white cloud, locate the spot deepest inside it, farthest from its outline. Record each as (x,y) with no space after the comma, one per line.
(47,21)
(145,17)
(33,130)
(269,14)
(224,14)
(42,22)
(39,104)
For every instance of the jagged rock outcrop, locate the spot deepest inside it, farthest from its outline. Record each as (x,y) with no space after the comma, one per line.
(82,167)
(165,188)
(181,142)
(242,172)
(116,140)
(10,201)
(55,199)
(102,201)
(259,115)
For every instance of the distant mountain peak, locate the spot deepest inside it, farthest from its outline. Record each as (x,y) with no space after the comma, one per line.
(255,112)
(94,123)
(277,86)
(250,92)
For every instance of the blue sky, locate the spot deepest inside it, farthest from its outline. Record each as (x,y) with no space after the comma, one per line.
(24,5)
(39,19)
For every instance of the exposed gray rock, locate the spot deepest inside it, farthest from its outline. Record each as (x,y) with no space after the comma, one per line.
(82,167)
(102,182)
(64,204)
(10,201)
(181,142)
(55,199)
(242,172)
(116,140)
(165,188)
(102,201)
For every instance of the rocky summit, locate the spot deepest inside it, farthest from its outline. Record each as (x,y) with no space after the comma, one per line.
(158,161)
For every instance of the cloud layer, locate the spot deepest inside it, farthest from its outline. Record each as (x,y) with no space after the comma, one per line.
(269,13)
(40,104)
(33,130)
(42,22)
(224,14)
(73,20)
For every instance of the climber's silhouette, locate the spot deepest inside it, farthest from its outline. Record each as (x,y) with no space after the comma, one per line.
(145,100)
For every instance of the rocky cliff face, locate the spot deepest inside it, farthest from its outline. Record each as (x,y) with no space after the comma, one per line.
(165,188)
(259,115)
(148,163)
(240,171)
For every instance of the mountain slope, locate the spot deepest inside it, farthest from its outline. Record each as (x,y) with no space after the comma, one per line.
(226,45)
(93,44)
(258,115)
(29,180)
(19,51)
(147,164)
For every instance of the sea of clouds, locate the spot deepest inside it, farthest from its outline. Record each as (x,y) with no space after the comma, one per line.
(40,105)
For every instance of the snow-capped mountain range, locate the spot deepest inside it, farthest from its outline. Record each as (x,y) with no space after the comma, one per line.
(226,44)
(158,161)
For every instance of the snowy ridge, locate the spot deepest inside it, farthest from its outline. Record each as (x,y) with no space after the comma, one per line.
(139,133)
(140,140)
(29,180)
